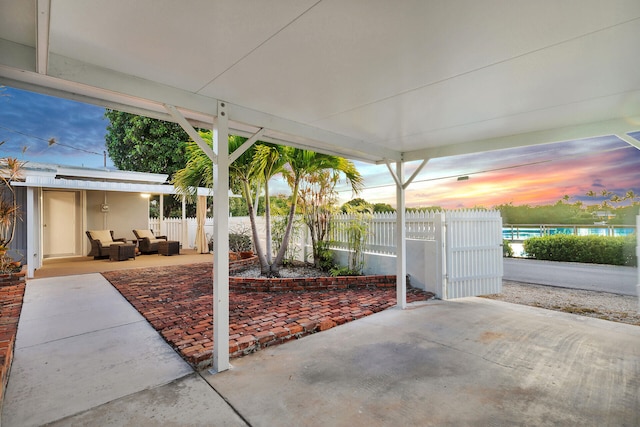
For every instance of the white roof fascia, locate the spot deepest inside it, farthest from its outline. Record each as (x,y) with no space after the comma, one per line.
(51,170)
(115,175)
(73,184)
(124,187)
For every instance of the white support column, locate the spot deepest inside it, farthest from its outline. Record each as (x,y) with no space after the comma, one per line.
(401,240)
(33,248)
(638,256)
(161,228)
(184,230)
(221,241)
(401,233)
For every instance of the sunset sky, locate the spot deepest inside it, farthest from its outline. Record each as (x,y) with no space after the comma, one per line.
(532,175)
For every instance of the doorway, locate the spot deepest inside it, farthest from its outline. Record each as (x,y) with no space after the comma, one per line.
(61,223)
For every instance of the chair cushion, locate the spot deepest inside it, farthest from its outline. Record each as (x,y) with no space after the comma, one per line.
(145,234)
(103,235)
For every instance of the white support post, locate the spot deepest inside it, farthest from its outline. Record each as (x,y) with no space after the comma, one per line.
(184,233)
(161,227)
(401,230)
(401,240)
(221,241)
(638,257)
(33,250)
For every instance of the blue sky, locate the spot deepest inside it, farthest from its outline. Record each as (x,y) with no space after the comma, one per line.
(530,175)
(29,120)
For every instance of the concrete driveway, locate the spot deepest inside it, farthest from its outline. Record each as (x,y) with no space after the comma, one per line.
(85,357)
(471,362)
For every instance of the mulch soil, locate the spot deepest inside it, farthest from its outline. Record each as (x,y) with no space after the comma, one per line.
(178,302)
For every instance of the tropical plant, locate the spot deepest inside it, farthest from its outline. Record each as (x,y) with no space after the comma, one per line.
(10,170)
(268,160)
(279,228)
(357,231)
(252,171)
(312,177)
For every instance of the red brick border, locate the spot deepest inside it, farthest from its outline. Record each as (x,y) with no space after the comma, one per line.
(11,297)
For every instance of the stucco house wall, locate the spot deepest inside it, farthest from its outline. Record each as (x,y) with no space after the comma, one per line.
(127,211)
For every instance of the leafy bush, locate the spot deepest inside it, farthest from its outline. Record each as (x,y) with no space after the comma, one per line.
(325,256)
(240,240)
(507,250)
(587,249)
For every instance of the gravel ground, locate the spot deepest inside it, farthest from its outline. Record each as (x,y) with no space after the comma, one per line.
(601,305)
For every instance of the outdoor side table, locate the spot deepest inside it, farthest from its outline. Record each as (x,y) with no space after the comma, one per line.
(122,252)
(168,247)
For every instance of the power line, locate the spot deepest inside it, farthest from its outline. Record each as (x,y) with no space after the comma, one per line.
(520,165)
(50,141)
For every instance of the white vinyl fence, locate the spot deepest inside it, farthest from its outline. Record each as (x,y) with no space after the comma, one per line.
(453,254)
(185,231)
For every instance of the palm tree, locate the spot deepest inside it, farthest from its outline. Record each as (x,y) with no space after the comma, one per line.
(267,162)
(252,170)
(198,172)
(303,165)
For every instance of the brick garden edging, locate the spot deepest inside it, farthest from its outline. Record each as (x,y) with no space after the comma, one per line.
(301,284)
(11,297)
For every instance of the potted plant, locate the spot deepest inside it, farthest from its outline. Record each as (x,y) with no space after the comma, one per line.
(10,170)
(240,243)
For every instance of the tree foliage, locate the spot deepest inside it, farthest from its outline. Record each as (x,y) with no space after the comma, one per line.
(143,144)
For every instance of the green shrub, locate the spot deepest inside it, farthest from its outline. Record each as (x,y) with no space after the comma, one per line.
(507,250)
(586,249)
(239,242)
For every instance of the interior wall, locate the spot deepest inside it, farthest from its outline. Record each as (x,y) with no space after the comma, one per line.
(127,211)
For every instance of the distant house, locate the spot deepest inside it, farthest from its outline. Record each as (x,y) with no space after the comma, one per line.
(603,216)
(59,203)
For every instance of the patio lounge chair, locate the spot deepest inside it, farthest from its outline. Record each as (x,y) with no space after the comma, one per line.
(101,241)
(147,242)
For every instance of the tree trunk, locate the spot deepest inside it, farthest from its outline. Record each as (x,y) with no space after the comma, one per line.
(287,233)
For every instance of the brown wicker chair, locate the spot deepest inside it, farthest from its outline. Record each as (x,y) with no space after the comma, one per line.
(101,241)
(147,241)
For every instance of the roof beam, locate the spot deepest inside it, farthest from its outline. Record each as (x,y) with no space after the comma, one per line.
(629,140)
(179,118)
(245,146)
(43,9)
(547,136)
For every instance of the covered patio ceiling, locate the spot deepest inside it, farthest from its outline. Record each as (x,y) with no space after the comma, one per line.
(369,80)
(374,80)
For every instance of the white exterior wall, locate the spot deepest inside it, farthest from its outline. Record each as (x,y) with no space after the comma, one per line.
(127,211)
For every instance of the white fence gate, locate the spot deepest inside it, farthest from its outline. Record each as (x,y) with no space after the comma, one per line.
(473,255)
(461,254)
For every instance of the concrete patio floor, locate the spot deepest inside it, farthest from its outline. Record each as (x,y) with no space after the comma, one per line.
(57,267)
(84,356)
